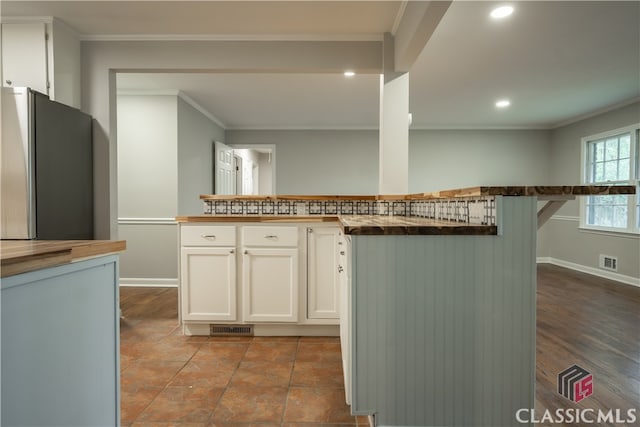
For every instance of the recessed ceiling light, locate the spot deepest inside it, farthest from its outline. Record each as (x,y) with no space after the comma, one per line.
(349,73)
(501,12)
(503,103)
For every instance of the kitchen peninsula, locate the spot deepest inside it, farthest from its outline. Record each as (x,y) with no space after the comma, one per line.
(438,291)
(60,332)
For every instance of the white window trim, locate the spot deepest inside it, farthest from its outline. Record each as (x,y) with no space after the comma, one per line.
(632,226)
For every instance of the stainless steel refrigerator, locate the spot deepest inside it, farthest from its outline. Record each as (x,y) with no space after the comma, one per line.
(46,186)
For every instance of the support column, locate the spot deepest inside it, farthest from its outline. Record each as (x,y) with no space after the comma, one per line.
(394,127)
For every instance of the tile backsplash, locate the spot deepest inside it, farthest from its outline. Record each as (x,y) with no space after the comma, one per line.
(480,210)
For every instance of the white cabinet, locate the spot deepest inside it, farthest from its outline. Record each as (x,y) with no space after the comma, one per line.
(24,56)
(44,56)
(270,274)
(211,275)
(322,273)
(344,256)
(208,273)
(270,285)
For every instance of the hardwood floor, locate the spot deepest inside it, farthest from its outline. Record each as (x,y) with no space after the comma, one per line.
(581,319)
(594,323)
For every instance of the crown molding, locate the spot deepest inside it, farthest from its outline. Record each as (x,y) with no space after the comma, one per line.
(173,92)
(147,92)
(301,128)
(26,19)
(596,112)
(234,37)
(399,16)
(471,127)
(186,98)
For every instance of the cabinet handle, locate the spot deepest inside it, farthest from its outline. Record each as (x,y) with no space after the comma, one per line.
(232,251)
(341,252)
(310,230)
(270,236)
(208,236)
(246,252)
(9,82)
(340,269)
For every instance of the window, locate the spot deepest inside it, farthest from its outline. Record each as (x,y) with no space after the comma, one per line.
(612,158)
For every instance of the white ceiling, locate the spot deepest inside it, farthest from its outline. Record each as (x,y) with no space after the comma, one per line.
(555,61)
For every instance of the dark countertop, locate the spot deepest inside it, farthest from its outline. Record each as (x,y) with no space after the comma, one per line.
(23,256)
(369,225)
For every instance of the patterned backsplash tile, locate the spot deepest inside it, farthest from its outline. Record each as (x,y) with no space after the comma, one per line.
(480,210)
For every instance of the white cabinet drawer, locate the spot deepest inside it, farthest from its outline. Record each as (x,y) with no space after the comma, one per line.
(207,235)
(269,236)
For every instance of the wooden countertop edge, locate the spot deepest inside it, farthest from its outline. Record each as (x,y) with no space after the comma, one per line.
(479,191)
(27,263)
(254,218)
(363,230)
(25,256)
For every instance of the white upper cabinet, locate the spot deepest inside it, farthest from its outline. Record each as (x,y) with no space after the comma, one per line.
(44,56)
(24,56)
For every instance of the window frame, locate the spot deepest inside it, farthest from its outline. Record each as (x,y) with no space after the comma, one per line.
(633,201)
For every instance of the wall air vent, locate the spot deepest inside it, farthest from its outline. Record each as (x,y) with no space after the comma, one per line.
(231,331)
(608,262)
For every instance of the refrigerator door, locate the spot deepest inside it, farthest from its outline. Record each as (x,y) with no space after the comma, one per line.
(64,171)
(17,165)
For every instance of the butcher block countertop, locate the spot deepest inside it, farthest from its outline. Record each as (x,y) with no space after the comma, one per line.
(411,225)
(542,191)
(23,256)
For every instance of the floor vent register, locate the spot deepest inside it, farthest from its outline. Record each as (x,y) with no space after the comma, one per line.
(231,331)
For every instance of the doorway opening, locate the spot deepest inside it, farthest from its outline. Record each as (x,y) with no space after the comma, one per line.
(244,169)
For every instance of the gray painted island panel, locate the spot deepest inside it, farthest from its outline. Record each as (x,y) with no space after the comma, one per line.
(444,326)
(60,346)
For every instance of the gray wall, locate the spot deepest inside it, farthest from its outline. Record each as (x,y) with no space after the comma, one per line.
(319,161)
(563,239)
(196,134)
(164,164)
(147,150)
(447,159)
(346,161)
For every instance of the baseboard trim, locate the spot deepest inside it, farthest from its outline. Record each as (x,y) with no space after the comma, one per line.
(627,280)
(139,282)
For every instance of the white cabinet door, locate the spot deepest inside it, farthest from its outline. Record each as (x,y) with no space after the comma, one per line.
(24,56)
(322,273)
(345,314)
(270,285)
(208,289)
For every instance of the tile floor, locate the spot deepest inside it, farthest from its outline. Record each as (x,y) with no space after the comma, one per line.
(172,380)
